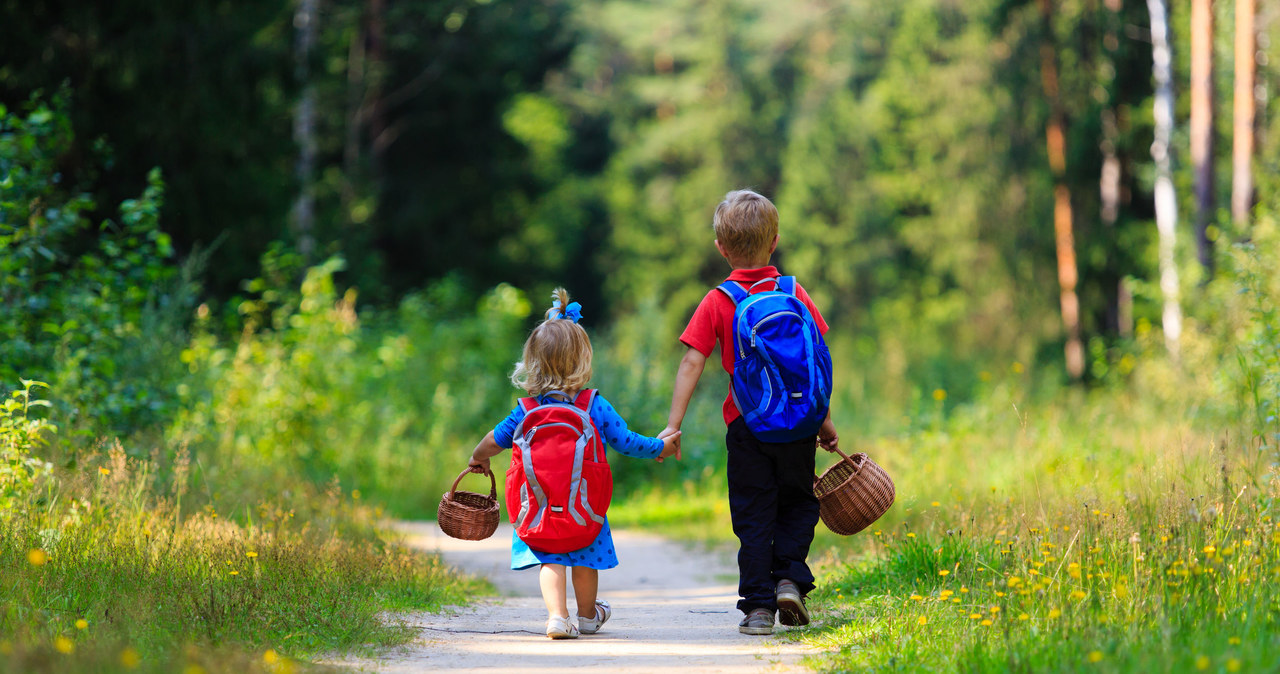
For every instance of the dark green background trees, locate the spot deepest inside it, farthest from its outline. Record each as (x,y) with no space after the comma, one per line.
(586,144)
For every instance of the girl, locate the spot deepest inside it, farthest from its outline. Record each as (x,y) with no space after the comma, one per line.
(556,366)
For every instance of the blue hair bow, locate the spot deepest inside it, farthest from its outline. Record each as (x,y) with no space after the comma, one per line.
(573,312)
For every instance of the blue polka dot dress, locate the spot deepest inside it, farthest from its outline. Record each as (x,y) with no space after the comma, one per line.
(600,554)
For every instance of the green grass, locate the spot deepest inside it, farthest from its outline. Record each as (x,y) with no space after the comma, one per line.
(112,575)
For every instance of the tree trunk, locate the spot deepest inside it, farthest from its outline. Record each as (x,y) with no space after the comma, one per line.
(305,19)
(1166,202)
(1202,126)
(1055,138)
(1243,114)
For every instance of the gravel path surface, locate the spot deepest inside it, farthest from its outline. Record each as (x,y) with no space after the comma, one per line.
(673,608)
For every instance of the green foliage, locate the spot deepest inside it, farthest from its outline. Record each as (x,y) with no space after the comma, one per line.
(120,568)
(87,307)
(20,435)
(390,403)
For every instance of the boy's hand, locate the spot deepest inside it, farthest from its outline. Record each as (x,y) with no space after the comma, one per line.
(670,444)
(827,437)
(479,465)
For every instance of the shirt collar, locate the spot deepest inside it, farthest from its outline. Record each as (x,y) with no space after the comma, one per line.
(753,275)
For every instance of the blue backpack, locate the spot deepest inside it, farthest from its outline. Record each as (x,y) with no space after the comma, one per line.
(782,368)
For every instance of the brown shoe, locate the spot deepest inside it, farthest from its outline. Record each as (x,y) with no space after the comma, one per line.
(758,621)
(791,608)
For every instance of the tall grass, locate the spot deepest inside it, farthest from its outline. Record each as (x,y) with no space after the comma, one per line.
(108,567)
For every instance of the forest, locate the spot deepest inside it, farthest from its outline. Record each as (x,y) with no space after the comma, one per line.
(266,268)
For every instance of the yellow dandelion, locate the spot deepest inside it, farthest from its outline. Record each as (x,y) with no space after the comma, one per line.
(943,572)
(64,645)
(945,593)
(1054,613)
(270,657)
(1202,662)
(1095,512)
(234,572)
(1078,594)
(104,471)
(1233,665)
(964,590)
(975,616)
(251,554)
(1095,656)
(1234,641)
(995,609)
(1209,550)
(985,623)
(1017,367)
(922,621)
(911,535)
(939,395)
(82,624)
(37,557)
(955,601)
(1023,616)
(129,658)
(916,597)
(935,504)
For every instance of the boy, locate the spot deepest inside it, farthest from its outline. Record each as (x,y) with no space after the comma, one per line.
(771,497)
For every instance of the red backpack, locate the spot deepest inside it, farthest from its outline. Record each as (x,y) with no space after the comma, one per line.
(559,484)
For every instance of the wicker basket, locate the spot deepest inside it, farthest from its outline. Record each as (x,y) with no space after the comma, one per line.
(853,493)
(468,515)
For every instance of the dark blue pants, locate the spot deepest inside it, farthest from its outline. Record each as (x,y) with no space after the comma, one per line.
(774,513)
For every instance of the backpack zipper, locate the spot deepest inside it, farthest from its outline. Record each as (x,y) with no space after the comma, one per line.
(766,319)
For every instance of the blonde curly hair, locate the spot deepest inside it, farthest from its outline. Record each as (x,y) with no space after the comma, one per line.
(557,355)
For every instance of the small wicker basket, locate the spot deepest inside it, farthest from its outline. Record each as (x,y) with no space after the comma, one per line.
(853,493)
(468,515)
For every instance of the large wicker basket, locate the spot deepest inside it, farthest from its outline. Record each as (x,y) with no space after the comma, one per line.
(468,515)
(853,493)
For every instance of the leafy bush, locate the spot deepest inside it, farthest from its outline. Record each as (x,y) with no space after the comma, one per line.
(91,308)
(20,434)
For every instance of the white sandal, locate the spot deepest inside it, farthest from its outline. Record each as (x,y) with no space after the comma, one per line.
(561,628)
(592,625)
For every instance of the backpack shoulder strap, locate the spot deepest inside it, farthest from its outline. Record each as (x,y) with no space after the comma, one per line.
(586,398)
(787,284)
(733,290)
(528,404)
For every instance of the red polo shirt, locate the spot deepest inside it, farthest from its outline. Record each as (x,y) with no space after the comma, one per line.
(712,323)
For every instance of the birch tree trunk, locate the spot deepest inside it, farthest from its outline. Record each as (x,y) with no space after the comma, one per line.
(1165,202)
(304,129)
(1064,239)
(1202,126)
(1243,114)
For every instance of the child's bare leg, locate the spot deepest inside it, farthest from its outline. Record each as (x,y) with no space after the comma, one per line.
(552,580)
(586,582)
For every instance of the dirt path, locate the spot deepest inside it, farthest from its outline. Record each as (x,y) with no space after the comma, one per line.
(672,608)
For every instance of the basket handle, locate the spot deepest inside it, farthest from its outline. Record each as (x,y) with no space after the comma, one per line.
(857,464)
(493,484)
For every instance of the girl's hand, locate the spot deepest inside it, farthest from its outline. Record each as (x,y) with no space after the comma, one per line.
(479,465)
(670,444)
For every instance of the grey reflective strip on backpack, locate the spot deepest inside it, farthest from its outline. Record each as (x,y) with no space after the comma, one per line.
(531,482)
(586,505)
(575,481)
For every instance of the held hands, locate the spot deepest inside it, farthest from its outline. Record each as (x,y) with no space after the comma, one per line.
(670,438)
(827,437)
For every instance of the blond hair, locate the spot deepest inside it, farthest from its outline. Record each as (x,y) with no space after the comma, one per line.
(557,355)
(745,224)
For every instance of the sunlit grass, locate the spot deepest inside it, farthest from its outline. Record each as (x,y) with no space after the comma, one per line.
(112,575)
